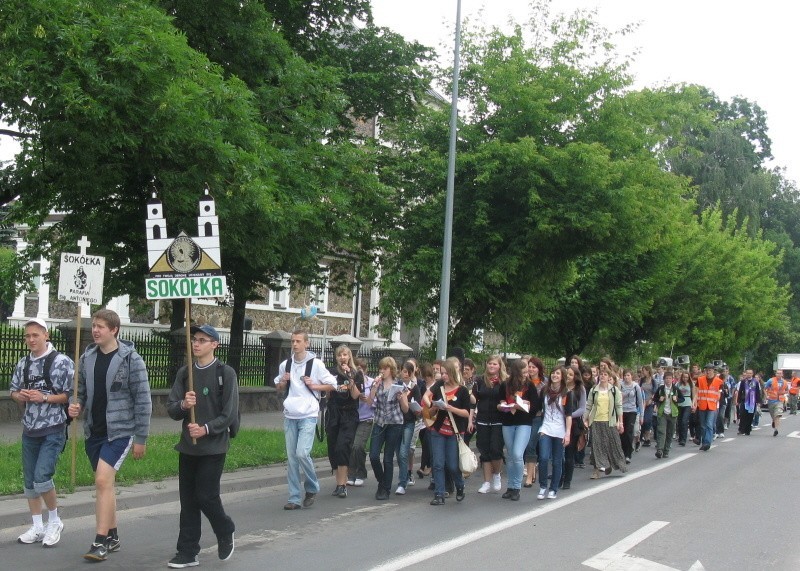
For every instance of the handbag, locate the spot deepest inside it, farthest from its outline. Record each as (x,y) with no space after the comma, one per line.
(467,461)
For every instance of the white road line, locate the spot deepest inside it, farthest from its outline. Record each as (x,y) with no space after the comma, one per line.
(729,439)
(418,556)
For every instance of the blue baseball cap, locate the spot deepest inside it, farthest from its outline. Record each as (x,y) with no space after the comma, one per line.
(207,329)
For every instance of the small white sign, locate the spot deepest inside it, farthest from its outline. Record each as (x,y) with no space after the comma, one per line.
(81,278)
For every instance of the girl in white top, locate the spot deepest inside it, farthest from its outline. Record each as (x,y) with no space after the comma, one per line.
(554,434)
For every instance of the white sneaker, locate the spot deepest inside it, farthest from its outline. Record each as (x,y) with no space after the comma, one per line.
(542,492)
(485,487)
(411,481)
(551,495)
(33,535)
(400,491)
(497,483)
(358,482)
(350,482)
(52,533)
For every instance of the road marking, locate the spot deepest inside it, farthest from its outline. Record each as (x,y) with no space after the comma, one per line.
(795,434)
(418,556)
(730,439)
(617,558)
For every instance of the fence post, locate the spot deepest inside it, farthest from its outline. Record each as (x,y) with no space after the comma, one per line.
(278,346)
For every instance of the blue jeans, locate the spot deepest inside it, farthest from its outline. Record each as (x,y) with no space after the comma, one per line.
(387,437)
(516,439)
(444,450)
(39,457)
(550,448)
(706,419)
(299,435)
(403,452)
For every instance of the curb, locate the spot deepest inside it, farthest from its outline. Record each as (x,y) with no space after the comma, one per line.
(14,509)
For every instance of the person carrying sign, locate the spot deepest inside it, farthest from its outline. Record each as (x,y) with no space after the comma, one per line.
(215,399)
(42,381)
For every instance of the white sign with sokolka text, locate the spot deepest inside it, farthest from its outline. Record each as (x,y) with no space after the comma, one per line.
(81,278)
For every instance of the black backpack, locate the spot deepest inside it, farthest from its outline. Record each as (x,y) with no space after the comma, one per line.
(46,368)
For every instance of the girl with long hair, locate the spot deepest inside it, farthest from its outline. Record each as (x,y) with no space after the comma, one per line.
(341,420)
(518,405)
(577,393)
(450,397)
(604,418)
(536,376)
(489,422)
(554,433)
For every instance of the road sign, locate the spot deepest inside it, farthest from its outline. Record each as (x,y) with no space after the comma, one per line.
(81,276)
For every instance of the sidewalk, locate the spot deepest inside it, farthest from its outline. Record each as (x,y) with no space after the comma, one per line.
(14,509)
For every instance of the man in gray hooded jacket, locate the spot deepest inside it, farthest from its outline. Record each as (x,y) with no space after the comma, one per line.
(114,390)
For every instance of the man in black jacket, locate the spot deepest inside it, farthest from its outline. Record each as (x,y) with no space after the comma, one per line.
(203,446)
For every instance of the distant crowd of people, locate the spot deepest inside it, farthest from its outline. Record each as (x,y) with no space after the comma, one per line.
(534,425)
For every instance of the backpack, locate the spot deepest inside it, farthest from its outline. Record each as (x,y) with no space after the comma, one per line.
(46,368)
(233,429)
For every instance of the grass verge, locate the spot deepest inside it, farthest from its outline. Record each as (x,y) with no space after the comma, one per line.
(251,448)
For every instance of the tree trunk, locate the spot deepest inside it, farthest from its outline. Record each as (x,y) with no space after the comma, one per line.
(237,329)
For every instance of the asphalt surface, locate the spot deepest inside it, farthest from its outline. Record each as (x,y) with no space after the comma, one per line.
(14,509)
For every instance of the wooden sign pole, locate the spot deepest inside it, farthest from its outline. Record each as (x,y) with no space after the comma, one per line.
(75,394)
(189,364)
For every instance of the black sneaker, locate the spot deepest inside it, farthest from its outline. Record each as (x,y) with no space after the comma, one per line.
(514,495)
(112,543)
(382,494)
(309,499)
(181,560)
(507,494)
(225,547)
(459,494)
(437,501)
(659,454)
(342,491)
(97,552)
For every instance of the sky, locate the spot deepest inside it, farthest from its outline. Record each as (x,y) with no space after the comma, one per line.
(733,48)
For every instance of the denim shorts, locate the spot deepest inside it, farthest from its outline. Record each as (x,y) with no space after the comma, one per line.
(111,452)
(39,457)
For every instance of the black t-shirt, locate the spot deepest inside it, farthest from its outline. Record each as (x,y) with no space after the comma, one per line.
(100,399)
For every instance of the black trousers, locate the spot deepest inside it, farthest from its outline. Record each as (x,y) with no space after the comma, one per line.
(198,484)
(745,420)
(627,438)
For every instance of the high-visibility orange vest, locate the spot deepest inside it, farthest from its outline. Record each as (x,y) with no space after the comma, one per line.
(794,387)
(776,389)
(708,393)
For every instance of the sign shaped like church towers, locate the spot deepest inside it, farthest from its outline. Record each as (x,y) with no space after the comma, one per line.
(185,266)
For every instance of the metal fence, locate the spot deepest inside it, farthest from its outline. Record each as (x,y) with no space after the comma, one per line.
(163,356)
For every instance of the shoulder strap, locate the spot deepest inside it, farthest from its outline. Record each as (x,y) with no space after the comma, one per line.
(309,366)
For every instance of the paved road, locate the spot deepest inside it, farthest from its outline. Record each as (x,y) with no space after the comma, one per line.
(730,508)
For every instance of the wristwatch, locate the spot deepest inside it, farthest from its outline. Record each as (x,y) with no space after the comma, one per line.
(45,398)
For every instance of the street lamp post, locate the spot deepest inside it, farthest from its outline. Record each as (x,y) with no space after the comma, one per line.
(444,294)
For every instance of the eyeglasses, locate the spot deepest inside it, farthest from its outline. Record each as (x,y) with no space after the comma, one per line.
(201,341)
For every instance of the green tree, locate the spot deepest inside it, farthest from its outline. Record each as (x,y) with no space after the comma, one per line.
(539,180)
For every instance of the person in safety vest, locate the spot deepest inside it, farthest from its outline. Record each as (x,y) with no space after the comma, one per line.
(707,402)
(775,389)
(794,391)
